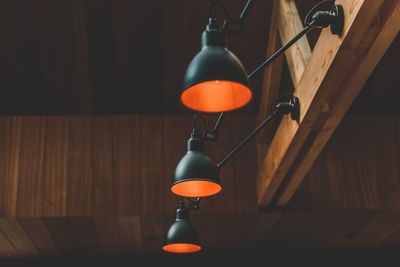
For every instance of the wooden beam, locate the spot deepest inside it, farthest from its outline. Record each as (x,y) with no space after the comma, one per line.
(337,70)
(272,74)
(285,23)
(290,24)
(388,29)
(271,81)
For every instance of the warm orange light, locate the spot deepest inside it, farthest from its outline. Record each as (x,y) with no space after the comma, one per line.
(198,188)
(216,96)
(181,248)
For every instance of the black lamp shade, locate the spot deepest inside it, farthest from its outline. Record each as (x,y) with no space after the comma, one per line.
(195,175)
(215,80)
(182,236)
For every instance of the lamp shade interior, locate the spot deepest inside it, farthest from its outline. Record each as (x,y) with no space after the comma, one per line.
(182,248)
(216,96)
(196,188)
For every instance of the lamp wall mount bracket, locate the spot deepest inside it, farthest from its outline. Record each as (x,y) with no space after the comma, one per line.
(337,15)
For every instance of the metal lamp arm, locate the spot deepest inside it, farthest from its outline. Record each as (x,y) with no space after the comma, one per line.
(281,50)
(284,107)
(231,24)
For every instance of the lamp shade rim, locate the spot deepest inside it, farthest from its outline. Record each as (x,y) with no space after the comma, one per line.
(211,190)
(216,78)
(245,88)
(195,180)
(177,248)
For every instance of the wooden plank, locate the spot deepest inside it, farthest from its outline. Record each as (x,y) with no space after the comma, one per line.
(271,82)
(225,200)
(131,237)
(54,194)
(62,234)
(359,67)
(79,166)
(319,90)
(302,234)
(177,131)
(244,230)
(6,248)
(40,236)
(213,229)
(390,227)
(282,229)
(18,237)
(30,180)
(372,231)
(126,168)
(354,171)
(152,165)
(339,227)
(10,134)
(272,74)
(390,242)
(85,235)
(108,234)
(244,166)
(235,235)
(102,195)
(289,25)
(153,229)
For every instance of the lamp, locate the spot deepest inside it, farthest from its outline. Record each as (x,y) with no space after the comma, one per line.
(182,236)
(195,175)
(215,81)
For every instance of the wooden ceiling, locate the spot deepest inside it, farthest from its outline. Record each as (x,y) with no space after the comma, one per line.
(83,185)
(99,185)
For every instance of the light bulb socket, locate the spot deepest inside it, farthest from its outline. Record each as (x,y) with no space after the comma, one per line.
(181,212)
(212,35)
(195,142)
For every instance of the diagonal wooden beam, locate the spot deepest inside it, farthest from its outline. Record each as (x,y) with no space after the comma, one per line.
(337,70)
(289,24)
(285,23)
(384,33)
